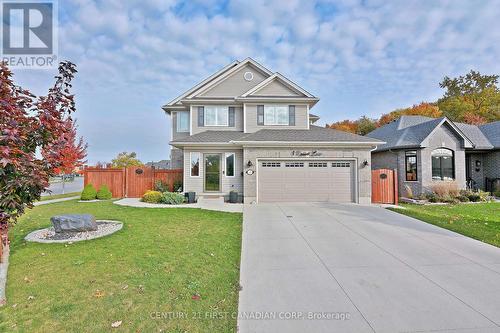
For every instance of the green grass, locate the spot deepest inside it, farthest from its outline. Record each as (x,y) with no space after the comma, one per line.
(60,196)
(155,264)
(479,221)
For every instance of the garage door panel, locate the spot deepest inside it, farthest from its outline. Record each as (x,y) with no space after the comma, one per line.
(307,181)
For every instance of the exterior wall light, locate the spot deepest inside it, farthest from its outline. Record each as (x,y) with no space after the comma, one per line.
(249,163)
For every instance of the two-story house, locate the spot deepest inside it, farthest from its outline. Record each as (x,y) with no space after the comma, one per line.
(249,130)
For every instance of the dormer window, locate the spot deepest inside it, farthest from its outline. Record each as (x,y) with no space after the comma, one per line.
(216,115)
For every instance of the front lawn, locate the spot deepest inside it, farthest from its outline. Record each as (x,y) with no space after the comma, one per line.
(479,221)
(145,275)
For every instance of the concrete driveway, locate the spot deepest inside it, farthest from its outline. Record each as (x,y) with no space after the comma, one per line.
(351,268)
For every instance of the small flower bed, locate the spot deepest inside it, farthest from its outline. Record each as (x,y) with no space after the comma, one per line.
(447,192)
(169,198)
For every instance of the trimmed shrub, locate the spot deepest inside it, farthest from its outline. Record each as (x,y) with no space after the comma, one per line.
(88,193)
(152,197)
(463,198)
(172,198)
(177,186)
(161,186)
(104,193)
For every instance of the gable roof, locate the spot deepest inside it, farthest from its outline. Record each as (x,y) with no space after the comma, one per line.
(492,133)
(315,134)
(282,80)
(475,134)
(412,132)
(202,83)
(226,74)
(194,94)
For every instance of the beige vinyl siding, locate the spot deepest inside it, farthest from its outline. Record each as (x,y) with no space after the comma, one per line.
(238,121)
(301,118)
(276,88)
(196,184)
(177,135)
(235,84)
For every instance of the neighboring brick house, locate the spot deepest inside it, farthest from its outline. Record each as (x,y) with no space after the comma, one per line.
(249,130)
(429,150)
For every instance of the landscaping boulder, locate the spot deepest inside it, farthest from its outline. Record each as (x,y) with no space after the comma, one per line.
(74,223)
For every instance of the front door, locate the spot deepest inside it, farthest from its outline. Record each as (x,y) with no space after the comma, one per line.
(212,172)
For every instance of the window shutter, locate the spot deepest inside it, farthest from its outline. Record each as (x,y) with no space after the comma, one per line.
(231,116)
(201,116)
(260,115)
(291,115)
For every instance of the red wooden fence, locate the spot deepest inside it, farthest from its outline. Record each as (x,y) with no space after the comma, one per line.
(385,186)
(130,182)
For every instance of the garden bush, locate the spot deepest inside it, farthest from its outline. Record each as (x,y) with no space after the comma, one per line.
(445,188)
(172,198)
(104,193)
(88,193)
(497,194)
(161,186)
(178,186)
(152,197)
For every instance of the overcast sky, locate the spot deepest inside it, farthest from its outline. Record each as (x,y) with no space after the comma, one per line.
(359,57)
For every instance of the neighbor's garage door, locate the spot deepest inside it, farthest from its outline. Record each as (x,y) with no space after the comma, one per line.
(295,181)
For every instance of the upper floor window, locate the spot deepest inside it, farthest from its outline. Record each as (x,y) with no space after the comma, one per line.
(276,115)
(182,121)
(411,165)
(216,115)
(443,164)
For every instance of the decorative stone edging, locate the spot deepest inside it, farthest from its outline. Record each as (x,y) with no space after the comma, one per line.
(48,235)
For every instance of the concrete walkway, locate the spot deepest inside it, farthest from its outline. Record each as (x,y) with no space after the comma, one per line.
(46,202)
(202,204)
(351,268)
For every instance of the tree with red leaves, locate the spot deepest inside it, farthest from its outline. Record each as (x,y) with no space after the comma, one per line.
(72,153)
(29,124)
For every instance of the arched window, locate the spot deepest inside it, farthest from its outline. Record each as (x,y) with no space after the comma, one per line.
(443,164)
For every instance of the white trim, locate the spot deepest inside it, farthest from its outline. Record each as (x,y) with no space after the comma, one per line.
(308,143)
(228,73)
(199,163)
(172,126)
(356,170)
(234,164)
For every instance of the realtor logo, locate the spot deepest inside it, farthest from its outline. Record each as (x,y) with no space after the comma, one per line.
(29,33)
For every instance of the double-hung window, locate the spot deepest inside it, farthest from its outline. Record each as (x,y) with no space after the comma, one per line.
(182,121)
(276,115)
(411,165)
(216,115)
(230,162)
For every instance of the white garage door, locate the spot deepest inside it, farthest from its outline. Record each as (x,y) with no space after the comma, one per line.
(305,181)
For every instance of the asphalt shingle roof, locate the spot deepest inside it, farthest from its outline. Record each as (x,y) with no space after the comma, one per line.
(410,131)
(406,132)
(212,136)
(475,134)
(314,134)
(492,132)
